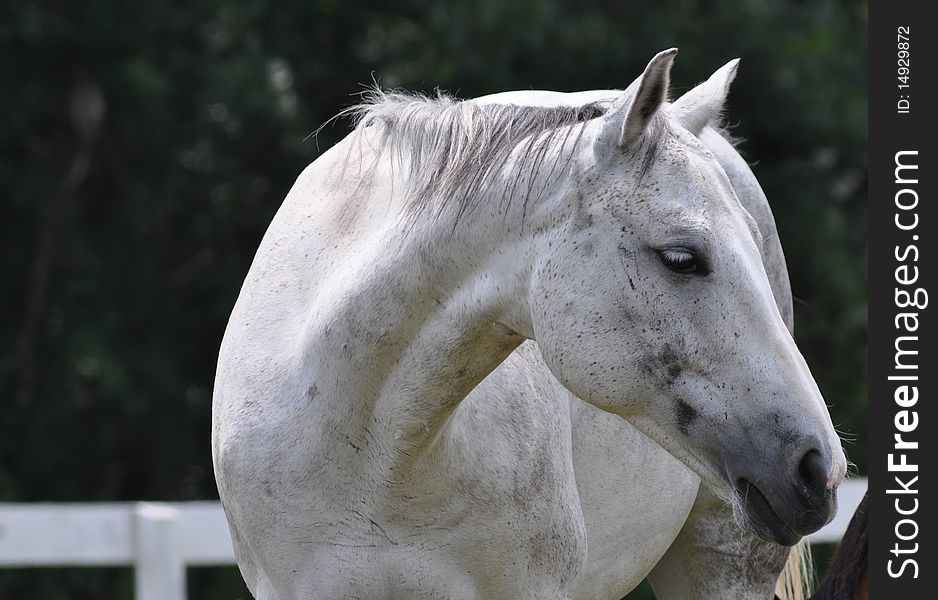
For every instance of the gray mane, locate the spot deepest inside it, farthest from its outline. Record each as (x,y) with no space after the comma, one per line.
(455,150)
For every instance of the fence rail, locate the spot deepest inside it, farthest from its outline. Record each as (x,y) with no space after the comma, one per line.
(160,540)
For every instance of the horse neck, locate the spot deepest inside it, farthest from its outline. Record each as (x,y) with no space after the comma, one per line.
(424,312)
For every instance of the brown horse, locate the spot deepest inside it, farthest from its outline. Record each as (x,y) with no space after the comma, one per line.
(847,576)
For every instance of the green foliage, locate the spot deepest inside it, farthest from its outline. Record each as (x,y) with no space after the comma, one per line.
(119,277)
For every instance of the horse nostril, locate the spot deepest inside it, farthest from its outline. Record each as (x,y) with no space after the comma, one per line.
(813,472)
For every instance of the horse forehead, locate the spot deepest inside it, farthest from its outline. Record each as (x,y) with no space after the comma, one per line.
(686,187)
(722,192)
(679,166)
(706,174)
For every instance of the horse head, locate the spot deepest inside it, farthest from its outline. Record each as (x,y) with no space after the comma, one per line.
(649,299)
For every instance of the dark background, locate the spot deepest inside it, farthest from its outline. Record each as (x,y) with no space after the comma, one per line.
(146,145)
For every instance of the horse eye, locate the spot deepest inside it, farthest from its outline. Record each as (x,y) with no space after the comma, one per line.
(680,260)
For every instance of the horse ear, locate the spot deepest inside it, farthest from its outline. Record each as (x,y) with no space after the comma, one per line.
(705,102)
(630,113)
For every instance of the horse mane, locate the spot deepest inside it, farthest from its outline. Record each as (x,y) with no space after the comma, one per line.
(848,569)
(455,150)
(796,579)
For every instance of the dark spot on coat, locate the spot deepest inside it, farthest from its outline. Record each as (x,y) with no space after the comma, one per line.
(674,371)
(685,414)
(668,355)
(671,363)
(666,364)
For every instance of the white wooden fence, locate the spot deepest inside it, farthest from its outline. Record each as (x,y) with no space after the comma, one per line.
(158,539)
(161,539)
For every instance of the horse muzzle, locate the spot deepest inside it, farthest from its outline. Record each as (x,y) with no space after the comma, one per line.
(784,525)
(786,509)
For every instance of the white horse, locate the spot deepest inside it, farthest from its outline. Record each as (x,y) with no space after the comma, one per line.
(381,428)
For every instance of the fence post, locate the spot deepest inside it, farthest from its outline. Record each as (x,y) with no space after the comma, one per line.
(160,573)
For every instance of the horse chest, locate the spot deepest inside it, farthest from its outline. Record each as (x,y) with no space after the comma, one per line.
(635,499)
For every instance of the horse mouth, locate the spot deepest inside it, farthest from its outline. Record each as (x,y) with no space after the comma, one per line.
(761,518)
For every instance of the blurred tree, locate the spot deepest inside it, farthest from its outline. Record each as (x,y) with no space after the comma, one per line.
(146,146)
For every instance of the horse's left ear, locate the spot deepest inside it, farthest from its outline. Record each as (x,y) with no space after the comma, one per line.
(630,114)
(705,102)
